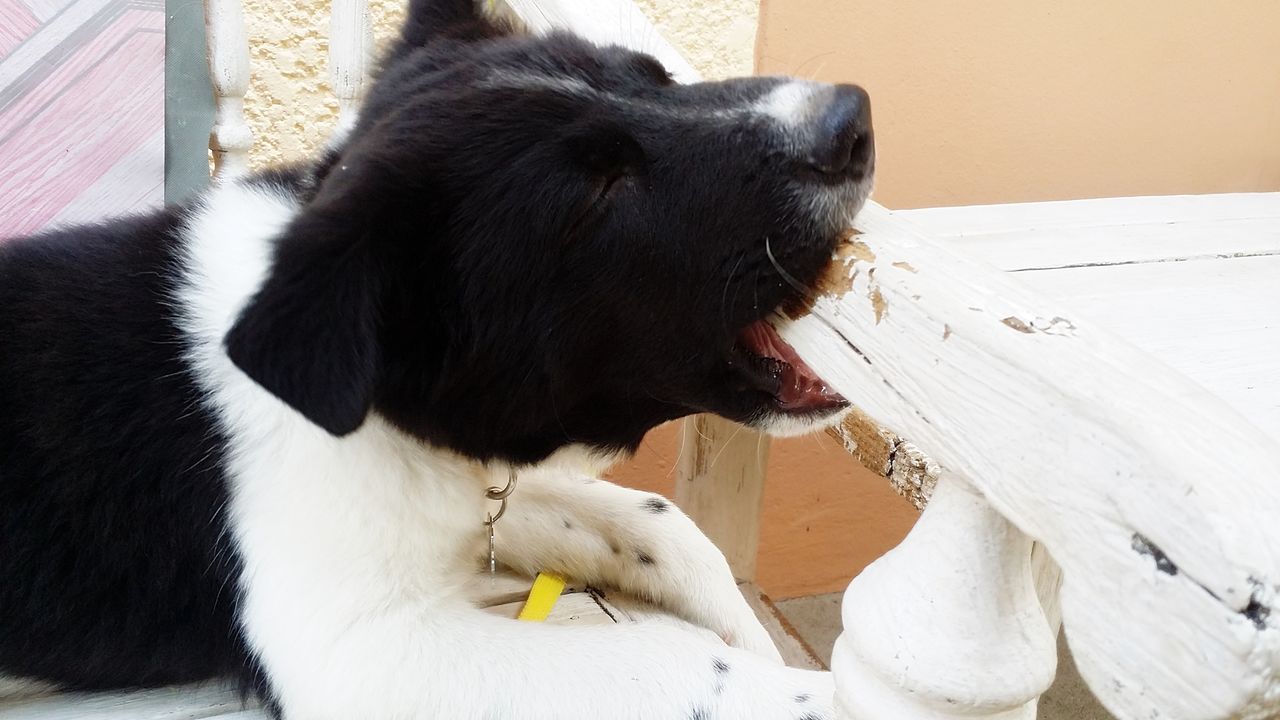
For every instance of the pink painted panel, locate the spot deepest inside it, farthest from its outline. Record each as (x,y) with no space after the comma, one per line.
(16,23)
(81,100)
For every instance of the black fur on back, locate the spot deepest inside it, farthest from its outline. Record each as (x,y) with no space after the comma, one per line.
(114,570)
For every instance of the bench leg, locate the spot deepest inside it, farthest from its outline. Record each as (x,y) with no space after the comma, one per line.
(948,625)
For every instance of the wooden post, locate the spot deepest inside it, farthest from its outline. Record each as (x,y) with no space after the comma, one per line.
(231,137)
(720,484)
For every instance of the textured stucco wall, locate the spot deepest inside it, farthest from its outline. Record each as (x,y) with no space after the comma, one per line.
(291,108)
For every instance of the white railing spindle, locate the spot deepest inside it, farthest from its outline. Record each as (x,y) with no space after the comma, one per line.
(947,625)
(231,136)
(350,58)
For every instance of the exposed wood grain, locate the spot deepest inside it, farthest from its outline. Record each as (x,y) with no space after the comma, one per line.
(909,470)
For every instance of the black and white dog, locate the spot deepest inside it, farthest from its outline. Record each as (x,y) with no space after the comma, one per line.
(251,436)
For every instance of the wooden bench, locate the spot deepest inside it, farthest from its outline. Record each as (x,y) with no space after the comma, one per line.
(1094,432)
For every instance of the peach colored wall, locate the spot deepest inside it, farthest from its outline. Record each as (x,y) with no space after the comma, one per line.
(825,517)
(1012,100)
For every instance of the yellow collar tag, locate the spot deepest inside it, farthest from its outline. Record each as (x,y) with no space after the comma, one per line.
(542,597)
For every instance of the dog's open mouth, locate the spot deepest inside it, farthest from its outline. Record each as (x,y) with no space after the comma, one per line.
(774,367)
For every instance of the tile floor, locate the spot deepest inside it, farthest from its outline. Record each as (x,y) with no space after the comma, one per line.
(817,619)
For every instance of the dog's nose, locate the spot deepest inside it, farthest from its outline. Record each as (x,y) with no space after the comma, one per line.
(844,141)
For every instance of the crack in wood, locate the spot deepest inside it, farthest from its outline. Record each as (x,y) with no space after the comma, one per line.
(1152,261)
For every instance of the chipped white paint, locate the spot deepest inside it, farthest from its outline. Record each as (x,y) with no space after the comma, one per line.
(230,138)
(1157,500)
(1189,279)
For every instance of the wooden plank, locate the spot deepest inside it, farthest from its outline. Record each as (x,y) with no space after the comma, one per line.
(1156,499)
(174,703)
(1023,250)
(1214,321)
(948,222)
(1106,232)
(794,650)
(720,484)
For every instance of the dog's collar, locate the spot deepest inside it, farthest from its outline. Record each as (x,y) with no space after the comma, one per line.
(547,586)
(501,495)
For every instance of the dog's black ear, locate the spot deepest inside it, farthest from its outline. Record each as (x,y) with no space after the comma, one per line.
(310,334)
(428,19)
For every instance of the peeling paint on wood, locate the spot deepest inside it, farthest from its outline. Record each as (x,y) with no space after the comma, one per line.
(870,444)
(1018,324)
(878,303)
(905,266)
(909,471)
(1057,326)
(860,251)
(1082,442)
(836,279)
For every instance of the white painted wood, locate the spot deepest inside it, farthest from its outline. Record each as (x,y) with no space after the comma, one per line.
(1064,247)
(1120,466)
(720,484)
(216,700)
(1048,580)
(947,222)
(1214,321)
(1182,278)
(948,624)
(350,57)
(231,136)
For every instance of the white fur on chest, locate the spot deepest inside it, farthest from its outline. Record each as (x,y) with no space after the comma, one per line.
(327,527)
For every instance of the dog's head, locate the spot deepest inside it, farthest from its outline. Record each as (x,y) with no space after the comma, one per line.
(530,242)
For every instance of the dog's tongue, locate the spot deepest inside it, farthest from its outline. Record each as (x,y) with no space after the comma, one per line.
(800,388)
